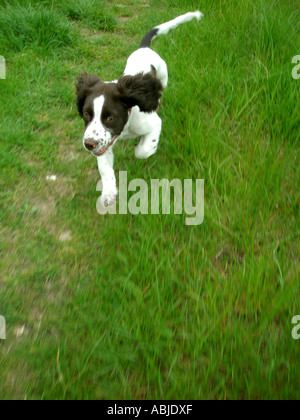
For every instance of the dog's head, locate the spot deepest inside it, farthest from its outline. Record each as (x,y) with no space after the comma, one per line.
(105,107)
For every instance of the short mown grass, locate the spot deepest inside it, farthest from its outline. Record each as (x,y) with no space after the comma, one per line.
(144,307)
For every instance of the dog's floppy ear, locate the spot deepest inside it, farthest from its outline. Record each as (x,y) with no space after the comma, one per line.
(84,83)
(143,90)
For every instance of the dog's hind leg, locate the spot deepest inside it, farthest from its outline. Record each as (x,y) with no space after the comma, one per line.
(149,142)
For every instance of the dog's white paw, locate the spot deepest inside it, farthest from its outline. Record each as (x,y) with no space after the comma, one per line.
(142,152)
(108,199)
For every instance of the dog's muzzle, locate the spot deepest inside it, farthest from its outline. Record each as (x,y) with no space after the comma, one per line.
(93,146)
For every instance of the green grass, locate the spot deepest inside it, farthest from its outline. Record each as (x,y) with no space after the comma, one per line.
(34,26)
(91,12)
(143,306)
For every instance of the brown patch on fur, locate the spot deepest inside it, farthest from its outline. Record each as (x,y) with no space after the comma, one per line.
(143,90)
(84,86)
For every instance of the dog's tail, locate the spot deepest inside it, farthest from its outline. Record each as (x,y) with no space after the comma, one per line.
(166,27)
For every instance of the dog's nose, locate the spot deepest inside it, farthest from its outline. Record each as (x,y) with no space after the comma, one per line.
(90,144)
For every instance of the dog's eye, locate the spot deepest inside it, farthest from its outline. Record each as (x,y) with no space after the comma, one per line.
(86,114)
(111,118)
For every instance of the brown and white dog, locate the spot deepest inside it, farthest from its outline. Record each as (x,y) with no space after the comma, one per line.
(126,108)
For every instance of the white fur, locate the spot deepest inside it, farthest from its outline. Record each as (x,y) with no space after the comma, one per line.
(109,191)
(173,24)
(141,61)
(140,124)
(96,129)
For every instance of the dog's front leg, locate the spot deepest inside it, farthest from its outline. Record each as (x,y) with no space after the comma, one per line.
(149,142)
(109,185)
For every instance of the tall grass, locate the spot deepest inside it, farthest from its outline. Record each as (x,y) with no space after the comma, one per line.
(143,306)
(34,26)
(91,12)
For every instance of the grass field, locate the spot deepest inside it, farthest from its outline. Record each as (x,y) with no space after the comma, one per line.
(145,307)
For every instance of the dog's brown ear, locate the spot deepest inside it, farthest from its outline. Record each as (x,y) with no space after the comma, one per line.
(143,90)
(84,83)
